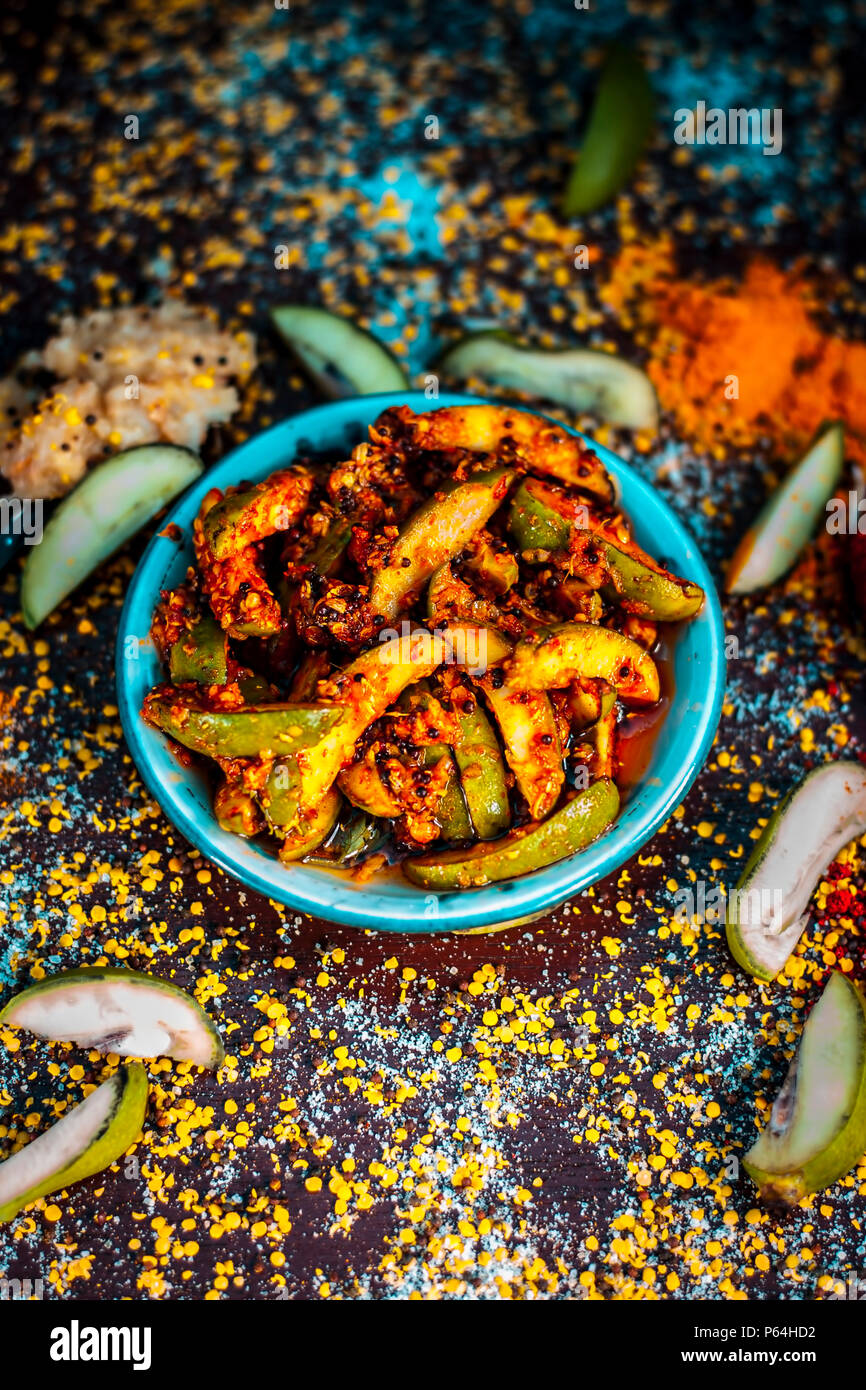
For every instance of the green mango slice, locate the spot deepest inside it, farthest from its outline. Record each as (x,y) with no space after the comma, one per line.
(817,1127)
(766,912)
(84,1140)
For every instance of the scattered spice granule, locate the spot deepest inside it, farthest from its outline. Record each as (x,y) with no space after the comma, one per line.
(735,362)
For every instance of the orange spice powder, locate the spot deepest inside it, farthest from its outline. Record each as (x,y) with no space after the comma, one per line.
(789,374)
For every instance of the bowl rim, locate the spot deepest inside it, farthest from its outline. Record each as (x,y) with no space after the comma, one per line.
(326,893)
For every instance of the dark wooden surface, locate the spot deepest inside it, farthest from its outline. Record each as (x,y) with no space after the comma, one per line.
(555,1111)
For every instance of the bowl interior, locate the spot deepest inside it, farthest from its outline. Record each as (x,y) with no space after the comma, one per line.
(391,903)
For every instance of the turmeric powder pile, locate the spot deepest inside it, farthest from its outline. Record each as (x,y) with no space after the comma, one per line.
(733,362)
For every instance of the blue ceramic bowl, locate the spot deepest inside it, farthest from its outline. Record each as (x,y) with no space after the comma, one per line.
(394,904)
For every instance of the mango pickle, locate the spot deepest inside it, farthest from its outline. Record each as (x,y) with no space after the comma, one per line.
(589,701)
(538,443)
(517,576)
(556,656)
(313,667)
(326,554)
(236,810)
(451,812)
(482,771)
(526,719)
(245,733)
(575,599)
(449,597)
(361,783)
(280,796)
(255,690)
(311,829)
(360,694)
(236,589)
(323,558)
(531,737)
(536,846)
(355,835)
(603,736)
(435,533)
(403,776)
(492,565)
(200,655)
(632,579)
(244,517)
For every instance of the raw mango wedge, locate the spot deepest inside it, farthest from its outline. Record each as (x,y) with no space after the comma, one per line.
(85,1140)
(112,502)
(788,519)
(766,911)
(110,1009)
(817,1127)
(341,358)
(581,379)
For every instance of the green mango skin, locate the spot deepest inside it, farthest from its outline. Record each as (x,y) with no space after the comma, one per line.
(255,690)
(841,1155)
(654,594)
(120,1133)
(566,832)
(534,525)
(200,655)
(620,124)
(436,533)
(245,733)
(451,813)
(281,795)
(482,773)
